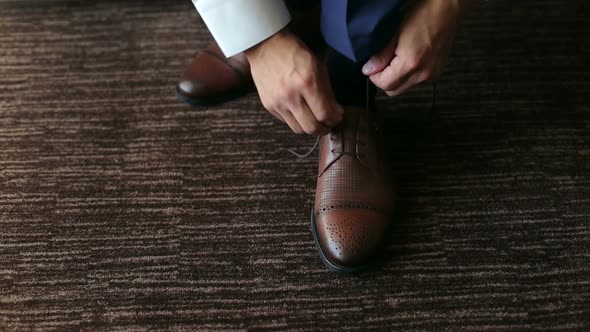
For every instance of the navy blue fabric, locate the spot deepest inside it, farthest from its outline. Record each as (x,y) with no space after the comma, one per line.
(360,28)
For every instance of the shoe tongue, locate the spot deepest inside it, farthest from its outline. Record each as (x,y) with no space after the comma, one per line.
(349,130)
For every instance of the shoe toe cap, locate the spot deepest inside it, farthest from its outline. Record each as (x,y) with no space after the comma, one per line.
(348,239)
(191,88)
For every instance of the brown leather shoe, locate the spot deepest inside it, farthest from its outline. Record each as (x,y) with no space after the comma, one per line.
(354,199)
(211,78)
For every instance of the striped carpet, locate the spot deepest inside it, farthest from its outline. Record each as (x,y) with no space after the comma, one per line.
(122,209)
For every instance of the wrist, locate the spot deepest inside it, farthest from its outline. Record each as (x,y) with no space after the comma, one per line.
(270,43)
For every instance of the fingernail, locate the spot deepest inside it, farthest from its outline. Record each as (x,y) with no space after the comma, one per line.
(368,67)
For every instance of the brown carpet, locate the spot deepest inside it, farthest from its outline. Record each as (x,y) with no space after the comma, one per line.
(122,209)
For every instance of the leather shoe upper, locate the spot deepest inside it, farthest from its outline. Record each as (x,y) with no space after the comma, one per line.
(353,200)
(211,77)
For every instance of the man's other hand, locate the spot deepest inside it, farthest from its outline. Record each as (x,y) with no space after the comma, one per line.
(420,50)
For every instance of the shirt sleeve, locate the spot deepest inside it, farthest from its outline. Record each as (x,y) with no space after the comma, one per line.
(238,25)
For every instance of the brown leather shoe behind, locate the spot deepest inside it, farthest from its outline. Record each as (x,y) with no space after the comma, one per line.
(211,78)
(354,199)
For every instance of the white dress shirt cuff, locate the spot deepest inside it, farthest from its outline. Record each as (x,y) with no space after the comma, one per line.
(238,25)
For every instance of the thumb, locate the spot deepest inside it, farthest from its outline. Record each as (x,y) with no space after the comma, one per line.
(381,60)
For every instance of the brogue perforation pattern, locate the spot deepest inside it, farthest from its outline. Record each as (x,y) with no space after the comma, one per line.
(348,236)
(325,208)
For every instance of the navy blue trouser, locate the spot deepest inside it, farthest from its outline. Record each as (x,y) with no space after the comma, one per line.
(357,29)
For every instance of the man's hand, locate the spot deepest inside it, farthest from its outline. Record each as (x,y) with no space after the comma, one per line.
(421,49)
(293,85)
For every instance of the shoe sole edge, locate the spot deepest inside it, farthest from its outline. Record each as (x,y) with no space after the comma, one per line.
(202,102)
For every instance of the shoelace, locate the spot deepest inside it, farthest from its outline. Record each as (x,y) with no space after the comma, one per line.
(369,105)
(308,153)
(348,153)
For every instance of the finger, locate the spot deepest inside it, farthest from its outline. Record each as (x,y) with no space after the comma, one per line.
(382,59)
(396,74)
(322,103)
(306,119)
(290,120)
(271,110)
(408,84)
(277,115)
